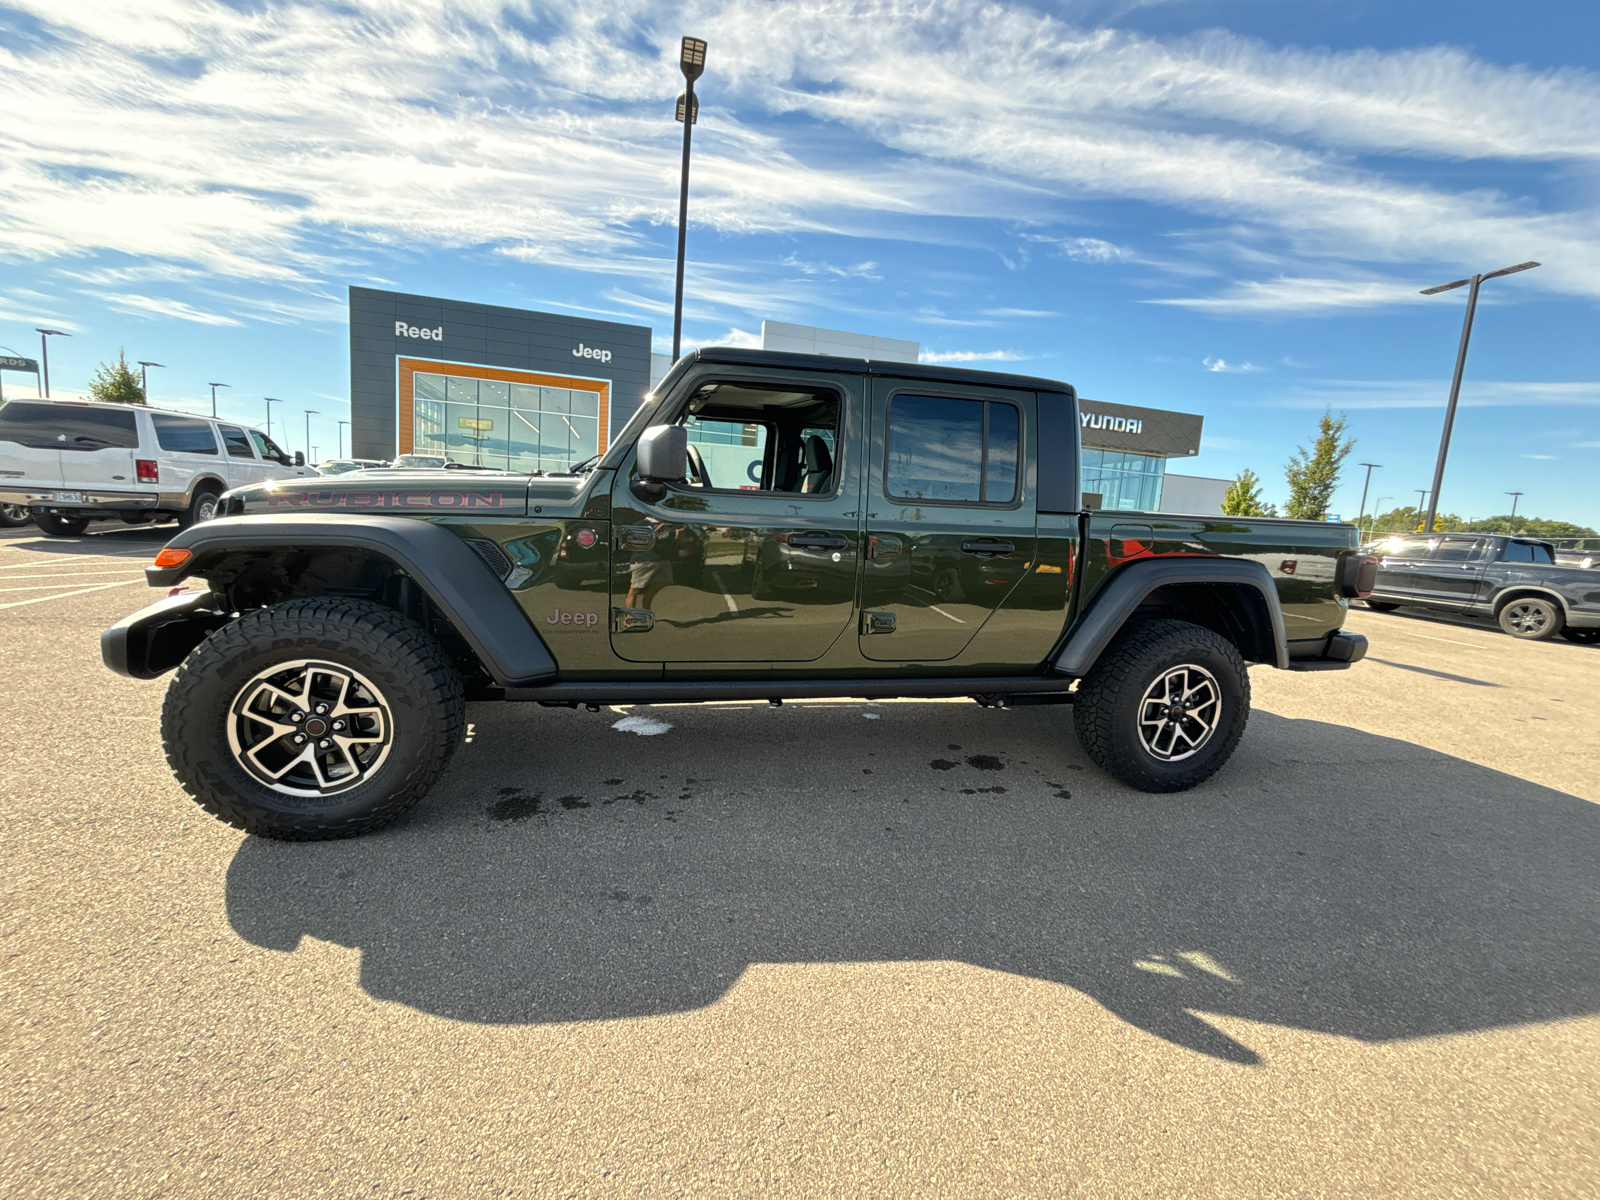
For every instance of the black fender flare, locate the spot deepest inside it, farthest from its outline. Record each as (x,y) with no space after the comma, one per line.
(448,570)
(1519,591)
(1088,636)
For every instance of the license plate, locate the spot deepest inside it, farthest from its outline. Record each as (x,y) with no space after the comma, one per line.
(71,498)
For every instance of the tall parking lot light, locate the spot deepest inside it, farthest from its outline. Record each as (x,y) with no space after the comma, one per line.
(271,400)
(44,357)
(144,376)
(1515,496)
(342,424)
(1370,467)
(214,387)
(692,61)
(310,412)
(1461,362)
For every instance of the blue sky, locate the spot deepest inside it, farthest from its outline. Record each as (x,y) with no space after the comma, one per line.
(1224,207)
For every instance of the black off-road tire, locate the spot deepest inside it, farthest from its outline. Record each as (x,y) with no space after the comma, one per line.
(1583,637)
(1531,618)
(56,525)
(1382,605)
(1110,697)
(202,508)
(416,679)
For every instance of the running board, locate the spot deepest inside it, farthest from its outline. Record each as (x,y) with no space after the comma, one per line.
(661,691)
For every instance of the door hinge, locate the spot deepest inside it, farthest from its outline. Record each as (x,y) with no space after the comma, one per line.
(632,620)
(877,622)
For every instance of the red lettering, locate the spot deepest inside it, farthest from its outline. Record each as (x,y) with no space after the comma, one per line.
(286,500)
(364,499)
(449,500)
(325,499)
(482,500)
(416,500)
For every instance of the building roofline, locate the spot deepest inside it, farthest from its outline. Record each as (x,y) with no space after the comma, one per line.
(734,356)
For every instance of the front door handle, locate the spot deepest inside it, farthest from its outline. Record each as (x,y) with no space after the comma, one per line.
(818,541)
(988,548)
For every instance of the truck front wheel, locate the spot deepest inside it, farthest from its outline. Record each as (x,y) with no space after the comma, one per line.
(313,719)
(1164,706)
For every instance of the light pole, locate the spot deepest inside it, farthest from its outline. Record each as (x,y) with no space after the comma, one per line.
(1461,364)
(1364,487)
(692,61)
(1372,531)
(271,400)
(144,376)
(310,412)
(214,387)
(342,424)
(44,355)
(1515,496)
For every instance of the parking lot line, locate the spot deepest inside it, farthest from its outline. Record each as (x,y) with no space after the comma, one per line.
(68,574)
(1431,638)
(99,587)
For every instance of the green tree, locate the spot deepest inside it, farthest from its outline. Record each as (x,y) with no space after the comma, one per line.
(116,383)
(1243,497)
(1314,476)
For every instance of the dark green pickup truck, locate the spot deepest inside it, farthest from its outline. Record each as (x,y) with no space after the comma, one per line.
(888,530)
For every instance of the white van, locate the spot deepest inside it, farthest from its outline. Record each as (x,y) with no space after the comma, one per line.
(70,461)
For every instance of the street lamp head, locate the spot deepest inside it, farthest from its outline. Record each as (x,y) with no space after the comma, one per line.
(219,385)
(1445,287)
(692,58)
(147,363)
(52,333)
(1527,266)
(694,109)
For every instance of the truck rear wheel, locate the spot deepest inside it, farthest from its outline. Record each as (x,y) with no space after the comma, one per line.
(58,526)
(1164,706)
(1532,619)
(314,719)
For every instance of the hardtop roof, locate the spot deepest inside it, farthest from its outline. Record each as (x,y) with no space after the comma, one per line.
(734,356)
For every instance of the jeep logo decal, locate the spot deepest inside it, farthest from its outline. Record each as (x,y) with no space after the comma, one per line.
(588,620)
(412,500)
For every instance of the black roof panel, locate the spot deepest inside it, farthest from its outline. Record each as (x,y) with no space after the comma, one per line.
(866,366)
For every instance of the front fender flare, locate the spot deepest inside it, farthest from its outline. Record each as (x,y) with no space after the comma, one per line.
(452,575)
(1088,636)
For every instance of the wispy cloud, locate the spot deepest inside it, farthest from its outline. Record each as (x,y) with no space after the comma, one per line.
(155,306)
(1432,393)
(967,356)
(1223,366)
(1540,457)
(1287,297)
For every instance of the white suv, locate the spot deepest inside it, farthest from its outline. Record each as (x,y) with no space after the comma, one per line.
(70,461)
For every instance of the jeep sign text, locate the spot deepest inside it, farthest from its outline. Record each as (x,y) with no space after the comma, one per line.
(582,351)
(401,329)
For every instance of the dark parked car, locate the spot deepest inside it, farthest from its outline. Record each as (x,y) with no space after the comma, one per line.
(1515,580)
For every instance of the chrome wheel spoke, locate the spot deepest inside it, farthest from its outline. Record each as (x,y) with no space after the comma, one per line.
(1179,712)
(281,728)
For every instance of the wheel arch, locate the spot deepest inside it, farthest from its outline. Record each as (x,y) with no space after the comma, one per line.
(1235,598)
(1524,591)
(405,563)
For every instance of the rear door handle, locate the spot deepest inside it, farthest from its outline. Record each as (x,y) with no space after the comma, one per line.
(818,541)
(988,548)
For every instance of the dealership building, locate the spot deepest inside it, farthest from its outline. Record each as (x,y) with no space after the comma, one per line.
(523,390)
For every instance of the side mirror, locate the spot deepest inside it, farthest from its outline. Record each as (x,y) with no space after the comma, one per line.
(299,458)
(662,458)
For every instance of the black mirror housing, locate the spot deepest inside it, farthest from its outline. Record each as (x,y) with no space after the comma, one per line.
(663,454)
(299,458)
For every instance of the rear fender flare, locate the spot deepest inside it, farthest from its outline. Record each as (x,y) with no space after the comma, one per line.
(1527,591)
(1088,636)
(449,571)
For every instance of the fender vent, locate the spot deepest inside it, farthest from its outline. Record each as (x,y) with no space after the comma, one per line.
(491,554)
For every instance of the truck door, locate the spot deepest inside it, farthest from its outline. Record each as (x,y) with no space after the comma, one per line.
(950,515)
(1398,560)
(1451,572)
(754,557)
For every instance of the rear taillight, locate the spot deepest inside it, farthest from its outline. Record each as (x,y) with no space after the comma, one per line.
(149,470)
(1358,573)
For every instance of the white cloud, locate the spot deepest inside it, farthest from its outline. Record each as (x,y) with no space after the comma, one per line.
(155,306)
(1223,366)
(967,356)
(1433,393)
(275,141)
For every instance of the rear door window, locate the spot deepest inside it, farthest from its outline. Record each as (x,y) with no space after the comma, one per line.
(68,426)
(183,435)
(950,449)
(237,443)
(1527,552)
(1404,549)
(1457,549)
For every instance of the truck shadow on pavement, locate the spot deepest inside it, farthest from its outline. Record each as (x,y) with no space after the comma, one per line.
(1328,880)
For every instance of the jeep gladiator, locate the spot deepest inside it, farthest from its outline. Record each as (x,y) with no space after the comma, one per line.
(892,530)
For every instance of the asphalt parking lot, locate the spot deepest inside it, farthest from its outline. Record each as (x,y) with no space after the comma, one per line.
(829,949)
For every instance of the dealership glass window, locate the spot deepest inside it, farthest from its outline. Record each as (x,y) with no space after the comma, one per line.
(1124,479)
(487,422)
(733,451)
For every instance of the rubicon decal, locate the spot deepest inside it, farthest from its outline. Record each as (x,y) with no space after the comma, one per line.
(411,500)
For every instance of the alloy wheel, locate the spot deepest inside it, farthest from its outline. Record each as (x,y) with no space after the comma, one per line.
(310,728)
(1179,712)
(1526,617)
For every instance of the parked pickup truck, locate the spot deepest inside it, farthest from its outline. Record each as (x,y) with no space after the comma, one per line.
(898,530)
(1515,580)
